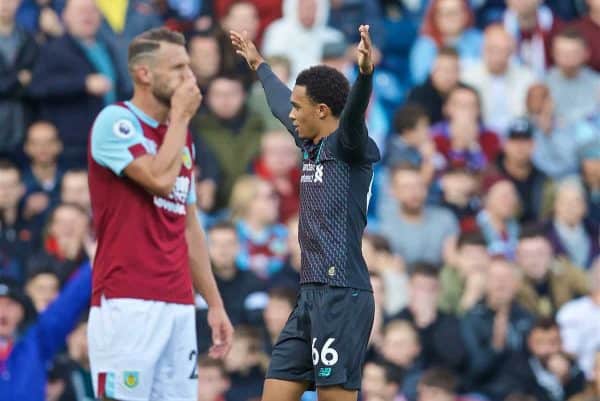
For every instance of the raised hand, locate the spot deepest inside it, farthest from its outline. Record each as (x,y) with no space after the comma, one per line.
(245,48)
(365,51)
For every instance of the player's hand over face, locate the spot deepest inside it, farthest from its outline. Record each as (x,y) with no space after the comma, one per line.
(245,48)
(365,51)
(185,100)
(222,332)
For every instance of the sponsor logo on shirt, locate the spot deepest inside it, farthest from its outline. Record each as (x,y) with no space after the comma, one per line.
(175,203)
(312,173)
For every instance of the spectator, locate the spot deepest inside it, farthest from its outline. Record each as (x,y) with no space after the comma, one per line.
(497,221)
(579,320)
(571,82)
(278,310)
(438,384)
(390,269)
(463,284)
(416,232)
(229,130)
(118,28)
(555,150)
(66,236)
(16,236)
(303,26)
(501,84)
(436,329)
(278,164)
(410,143)
(533,27)
(257,99)
(27,352)
(246,365)
(345,16)
(548,282)
(590,172)
(18,51)
(381,381)
(495,329)
(461,141)
(268,11)
(289,275)
(545,371)
(458,192)
(516,163)
(401,349)
(79,378)
(43,174)
(242,292)
(41,18)
(213,382)
(446,23)
(42,287)
(205,57)
(74,77)
(592,392)
(444,76)
(570,233)
(240,16)
(254,208)
(208,176)
(589,26)
(74,189)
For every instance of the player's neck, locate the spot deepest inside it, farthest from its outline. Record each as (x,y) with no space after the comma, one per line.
(150,106)
(327,128)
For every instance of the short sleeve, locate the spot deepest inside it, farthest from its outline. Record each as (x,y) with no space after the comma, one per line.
(117,138)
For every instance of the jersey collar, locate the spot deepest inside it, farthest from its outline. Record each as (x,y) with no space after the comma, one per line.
(141,115)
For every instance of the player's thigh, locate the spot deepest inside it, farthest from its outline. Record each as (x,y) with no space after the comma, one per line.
(176,376)
(341,322)
(283,390)
(336,393)
(125,339)
(291,356)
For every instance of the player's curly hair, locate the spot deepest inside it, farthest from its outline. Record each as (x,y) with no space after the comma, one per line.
(325,85)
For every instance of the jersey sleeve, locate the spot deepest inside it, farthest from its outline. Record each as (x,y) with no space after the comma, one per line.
(191,197)
(117,138)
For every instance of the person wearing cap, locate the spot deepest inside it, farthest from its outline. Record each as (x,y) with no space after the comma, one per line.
(26,350)
(515,163)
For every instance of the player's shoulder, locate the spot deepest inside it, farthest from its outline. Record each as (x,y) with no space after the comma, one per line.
(116,119)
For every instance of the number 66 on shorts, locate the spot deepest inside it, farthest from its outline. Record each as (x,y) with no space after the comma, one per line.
(329,356)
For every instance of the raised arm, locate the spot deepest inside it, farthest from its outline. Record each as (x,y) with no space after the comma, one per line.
(353,133)
(278,94)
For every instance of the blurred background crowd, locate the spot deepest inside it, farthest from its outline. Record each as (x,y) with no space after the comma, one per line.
(483,235)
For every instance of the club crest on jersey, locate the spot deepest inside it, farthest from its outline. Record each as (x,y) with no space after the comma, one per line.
(123,128)
(186,157)
(131,379)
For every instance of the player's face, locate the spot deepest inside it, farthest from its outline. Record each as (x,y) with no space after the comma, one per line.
(11,314)
(170,68)
(304,113)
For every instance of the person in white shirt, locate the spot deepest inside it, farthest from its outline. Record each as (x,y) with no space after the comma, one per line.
(501,84)
(579,322)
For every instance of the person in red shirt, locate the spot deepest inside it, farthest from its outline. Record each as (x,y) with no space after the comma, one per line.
(589,26)
(278,163)
(142,330)
(461,140)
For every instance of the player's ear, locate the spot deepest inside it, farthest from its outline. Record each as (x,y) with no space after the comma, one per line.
(141,74)
(324,111)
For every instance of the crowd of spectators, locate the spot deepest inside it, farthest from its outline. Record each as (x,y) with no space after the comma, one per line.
(483,238)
